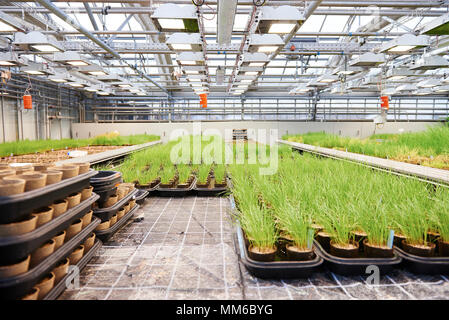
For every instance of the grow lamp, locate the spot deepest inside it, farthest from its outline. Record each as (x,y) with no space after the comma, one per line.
(441,89)
(9,59)
(327,78)
(438,26)
(316,84)
(265,43)
(430,63)
(423,92)
(388,91)
(190,58)
(8,23)
(93,70)
(347,70)
(429,83)
(406,87)
(395,74)
(36,69)
(71,58)
(368,59)
(281,20)
(225,20)
(171,17)
(256,59)
(404,44)
(184,42)
(92,89)
(36,41)
(59,77)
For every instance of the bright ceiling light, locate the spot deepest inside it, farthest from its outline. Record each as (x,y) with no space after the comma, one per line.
(327,78)
(246,81)
(187,62)
(171,24)
(125,85)
(267,49)
(429,83)
(191,72)
(251,73)
(37,41)
(37,69)
(181,46)
(5,27)
(405,43)
(34,72)
(399,49)
(256,64)
(45,48)
(103,93)
(441,89)
(281,28)
(93,70)
(71,58)
(438,26)
(430,63)
(97,73)
(194,80)
(196,84)
(184,42)
(243,86)
(264,43)
(10,59)
(396,78)
(76,85)
(78,63)
(172,17)
(368,59)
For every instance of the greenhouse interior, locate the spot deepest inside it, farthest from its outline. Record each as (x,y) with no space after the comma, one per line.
(224,150)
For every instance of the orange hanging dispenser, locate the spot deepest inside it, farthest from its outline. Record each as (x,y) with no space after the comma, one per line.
(203,100)
(385,102)
(27,101)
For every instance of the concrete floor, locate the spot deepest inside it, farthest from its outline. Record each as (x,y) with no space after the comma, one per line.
(184,249)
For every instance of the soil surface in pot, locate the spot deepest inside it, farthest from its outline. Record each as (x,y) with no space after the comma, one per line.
(419,250)
(375,251)
(349,250)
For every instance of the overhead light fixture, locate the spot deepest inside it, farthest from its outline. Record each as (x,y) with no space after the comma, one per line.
(302,89)
(254,59)
(38,69)
(184,42)
(173,18)
(251,73)
(347,70)
(71,58)
(368,59)
(256,64)
(404,44)
(406,87)
(59,77)
(93,70)
(110,78)
(388,91)
(437,27)
(246,81)
(441,89)
(8,23)
(226,12)
(10,59)
(430,63)
(327,78)
(281,20)
(314,83)
(399,73)
(265,43)
(423,92)
(190,58)
(429,83)
(36,41)
(92,89)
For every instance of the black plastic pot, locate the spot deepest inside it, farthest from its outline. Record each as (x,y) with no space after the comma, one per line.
(141,195)
(423,265)
(16,248)
(106,214)
(104,235)
(176,192)
(356,266)
(15,208)
(277,269)
(18,286)
(106,179)
(61,285)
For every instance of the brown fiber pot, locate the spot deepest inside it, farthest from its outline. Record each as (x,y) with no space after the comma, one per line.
(421,250)
(22,169)
(15,269)
(59,239)
(132,203)
(74,229)
(128,185)
(68,171)
(103,226)
(86,193)
(33,180)
(73,200)
(266,255)
(42,166)
(42,252)
(59,207)
(120,213)
(17,228)
(61,270)
(89,243)
(351,250)
(87,218)
(113,220)
(324,239)
(43,215)
(373,251)
(83,167)
(443,248)
(34,293)
(121,193)
(53,176)
(9,187)
(4,166)
(45,285)
(127,207)
(297,254)
(7,172)
(76,255)
(111,201)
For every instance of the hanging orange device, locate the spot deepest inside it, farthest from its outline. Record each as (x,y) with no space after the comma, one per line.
(203,100)
(385,102)
(27,102)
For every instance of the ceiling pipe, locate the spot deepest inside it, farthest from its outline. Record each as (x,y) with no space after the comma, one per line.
(55,10)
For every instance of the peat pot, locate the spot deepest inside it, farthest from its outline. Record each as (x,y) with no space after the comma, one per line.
(74,229)
(76,255)
(33,295)
(9,187)
(15,269)
(59,207)
(86,193)
(61,270)
(42,252)
(73,200)
(298,254)
(43,215)
(87,218)
(89,243)
(59,239)
(427,250)
(373,251)
(45,285)
(262,254)
(349,250)
(17,228)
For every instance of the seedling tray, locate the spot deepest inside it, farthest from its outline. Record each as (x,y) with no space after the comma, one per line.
(356,266)
(423,265)
(277,269)
(210,192)
(16,248)
(141,195)
(61,285)
(15,208)
(16,287)
(106,214)
(176,192)
(147,187)
(105,194)
(106,179)
(104,235)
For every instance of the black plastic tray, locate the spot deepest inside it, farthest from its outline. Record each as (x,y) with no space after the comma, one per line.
(277,269)
(141,195)
(106,179)
(15,208)
(105,194)
(206,192)
(16,248)
(18,286)
(144,187)
(106,214)
(357,266)
(104,235)
(422,265)
(61,286)
(176,192)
